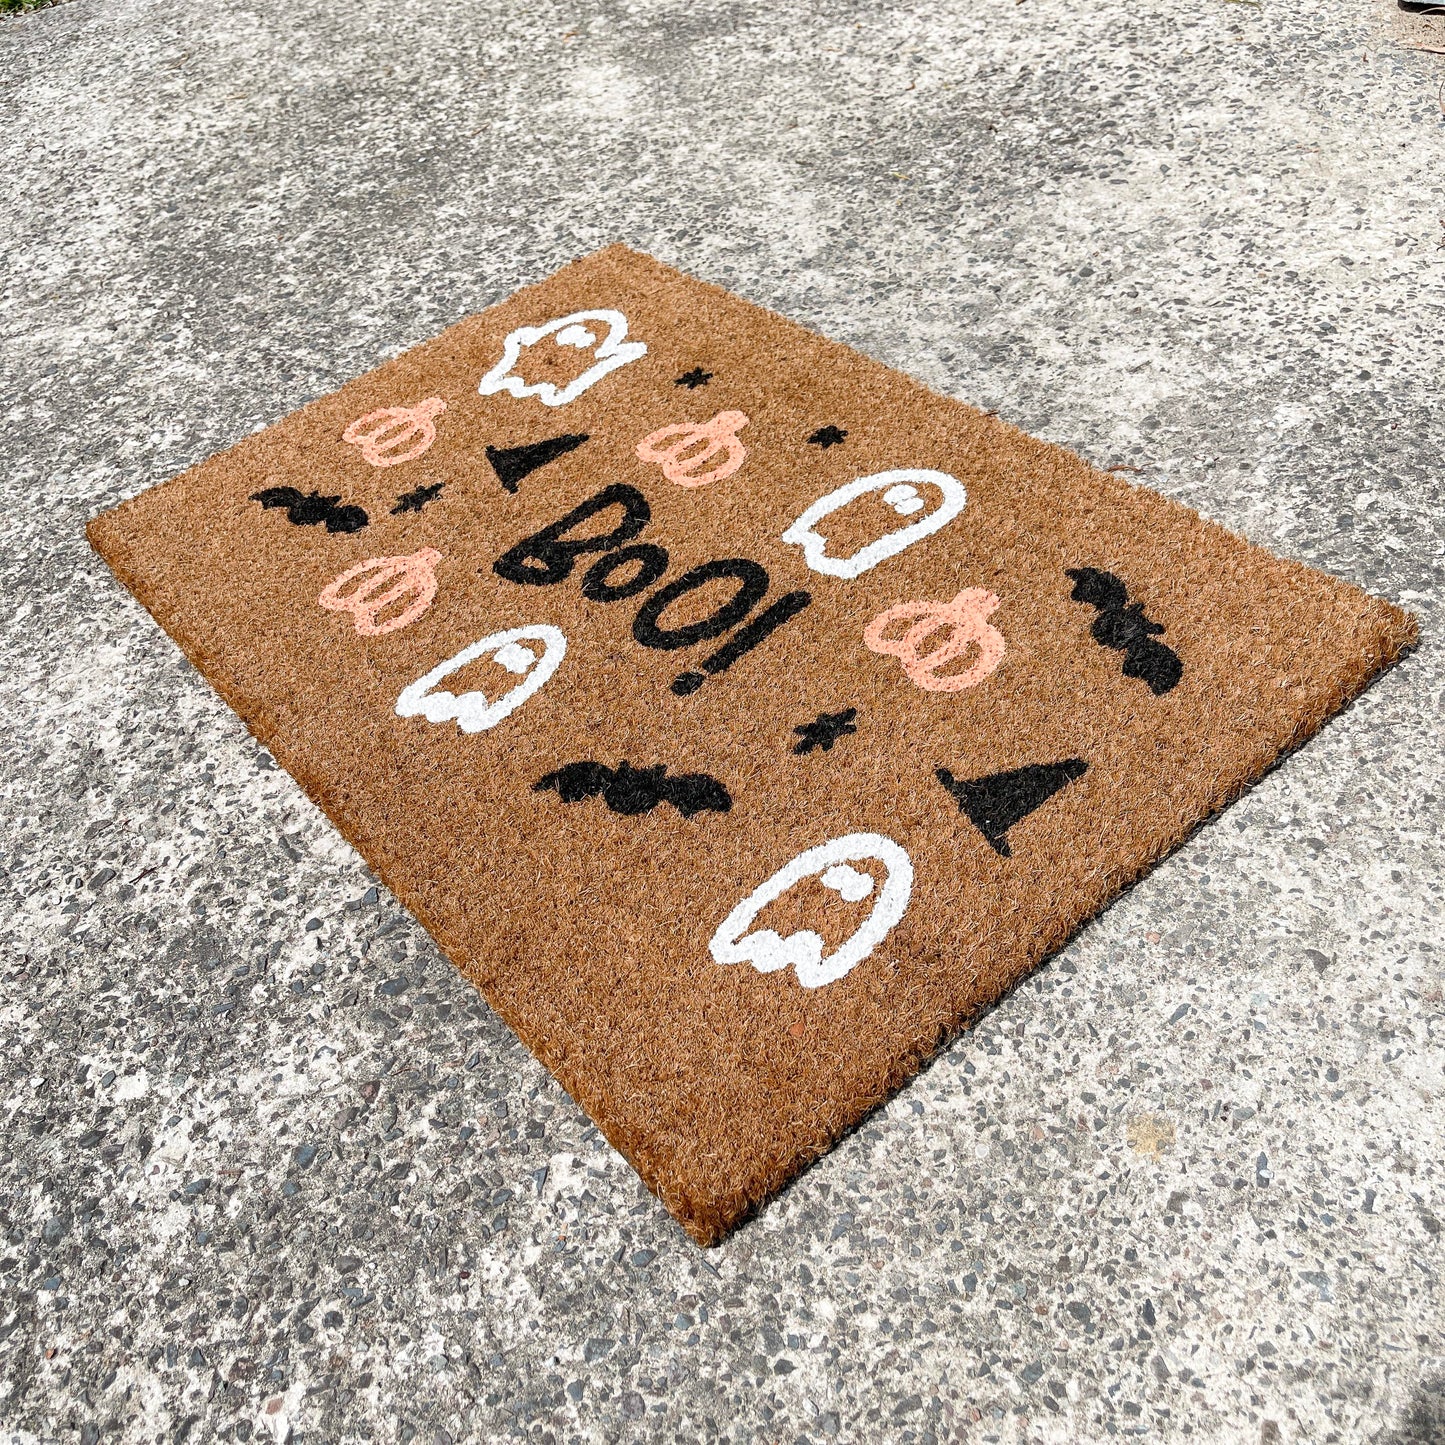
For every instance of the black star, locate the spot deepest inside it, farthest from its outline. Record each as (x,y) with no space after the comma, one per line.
(693,379)
(829,727)
(415,501)
(827,436)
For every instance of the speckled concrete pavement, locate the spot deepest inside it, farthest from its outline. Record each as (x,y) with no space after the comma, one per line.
(270,1168)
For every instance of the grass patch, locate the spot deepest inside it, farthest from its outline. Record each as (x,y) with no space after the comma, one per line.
(16,7)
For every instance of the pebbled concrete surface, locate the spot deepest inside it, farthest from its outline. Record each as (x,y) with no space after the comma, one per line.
(269,1168)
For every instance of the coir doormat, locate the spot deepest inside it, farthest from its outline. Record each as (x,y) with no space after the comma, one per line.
(741,717)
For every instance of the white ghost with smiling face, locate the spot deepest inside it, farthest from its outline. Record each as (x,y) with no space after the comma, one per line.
(900,493)
(475,712)
(831,864)
(581,331)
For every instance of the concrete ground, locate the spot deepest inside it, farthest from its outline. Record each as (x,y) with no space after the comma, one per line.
(1185,1184)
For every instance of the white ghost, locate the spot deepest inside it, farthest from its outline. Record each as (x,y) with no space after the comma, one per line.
(767,951)
(473,712)
(578,330)
(901,495)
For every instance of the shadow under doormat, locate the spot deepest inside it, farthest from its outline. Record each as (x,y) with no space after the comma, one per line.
(741,717)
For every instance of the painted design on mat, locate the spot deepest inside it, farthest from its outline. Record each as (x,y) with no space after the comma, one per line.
(416,499)
(743,641)
(827,436)
(1126,629)
(830,863)
(900,492)
(995,803)
(752,580)
(474,712)
(385,581)
(628,790)
(693,379)
(578,332)
(683,451)
(549,556)
(395,434)
(307,509)
(511,464)
(825,730)
(600,584)
(963,621)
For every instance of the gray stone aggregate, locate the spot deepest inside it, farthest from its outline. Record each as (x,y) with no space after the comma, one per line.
(269,1169)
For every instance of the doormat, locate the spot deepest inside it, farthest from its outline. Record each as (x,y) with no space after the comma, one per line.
(739,716)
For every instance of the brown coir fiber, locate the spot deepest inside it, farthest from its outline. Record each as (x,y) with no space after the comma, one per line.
(1008,792)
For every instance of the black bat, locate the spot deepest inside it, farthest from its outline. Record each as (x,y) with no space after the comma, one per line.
(306,510)
(1121,624)
(628,790)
